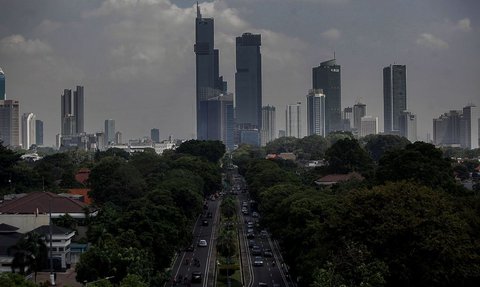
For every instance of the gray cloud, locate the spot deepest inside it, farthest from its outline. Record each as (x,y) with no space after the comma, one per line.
(430,41)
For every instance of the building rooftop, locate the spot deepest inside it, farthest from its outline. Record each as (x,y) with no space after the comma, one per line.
(40,202)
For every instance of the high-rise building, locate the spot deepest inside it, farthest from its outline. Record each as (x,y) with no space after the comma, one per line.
(118,137)
(458,128)
(293,121)
(208,82)
(347,118)
(316,113)
(394,96)
(408,126)
(268,132)
(469,137)
(359,111)
(9,123)
(2,86)
(220,119)
(368,126)
(39,132)
(282,133)
(109,132)
(248,81)
(28,130)
(66,114)
(327,77)
(155,135)
(78,110)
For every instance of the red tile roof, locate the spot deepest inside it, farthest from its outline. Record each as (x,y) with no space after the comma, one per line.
(334,178)
(82,175)
(83,192)
(40,202)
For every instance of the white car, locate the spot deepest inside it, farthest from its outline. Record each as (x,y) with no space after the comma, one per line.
(202,243)
(258,261)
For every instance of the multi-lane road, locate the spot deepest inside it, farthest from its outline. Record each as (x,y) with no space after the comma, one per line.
(261,264)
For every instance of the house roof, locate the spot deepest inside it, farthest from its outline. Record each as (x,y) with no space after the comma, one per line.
(334,178)
(56,230)
(40,202)
(82,175)
(6,228)
(83,192)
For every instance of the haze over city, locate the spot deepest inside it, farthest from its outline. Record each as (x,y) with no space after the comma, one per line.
(137,64)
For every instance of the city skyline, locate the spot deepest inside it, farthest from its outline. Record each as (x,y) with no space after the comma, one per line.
(144,56)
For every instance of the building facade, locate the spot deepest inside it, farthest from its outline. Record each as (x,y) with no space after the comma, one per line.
(316,113)
(268,132)
(248,81)
(29,136)
(79,110)
(109,132)
(9,123)
(394,96)
(155,135)
(3,95)
(293,121)
(408,126)
(359,111)
(368,126)
(458,128)
(39,132)
(327,77)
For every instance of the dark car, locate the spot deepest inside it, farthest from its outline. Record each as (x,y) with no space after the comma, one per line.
(251,243)
(256,250)
(250,236)
(196,277)
(204,222)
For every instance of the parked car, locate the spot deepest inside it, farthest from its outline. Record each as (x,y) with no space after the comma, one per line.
(202,243)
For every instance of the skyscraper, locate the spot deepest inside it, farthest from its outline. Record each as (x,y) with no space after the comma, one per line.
(39,132)
(268,132)
(368,126)
(2,85)
(293,121)
(408,126)
(109,132)
(155,135)
(248,81)
(316,113)
(347,118)
(220,119)
(327,77)
(208,82)
(9,122)
(394,96)
(359,111)
(28,130)
(470,127)
(67,119)
(78,110)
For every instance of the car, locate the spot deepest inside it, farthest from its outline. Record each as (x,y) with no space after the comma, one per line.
(264,233)
(262,284)
(250,230)
(251,243)
(268,254)
(250,235)
(202,243)
(258,261)
(196,277)
(204,222)
(254,214)
(256,250)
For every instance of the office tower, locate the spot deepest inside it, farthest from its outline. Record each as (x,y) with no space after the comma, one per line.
(101,142)
(9,122)
(408,126)
(327,77)
(347,118)
(469,137)
(446,129)
(220,119)
(78,110)
(39,132)
(155,135)
(359,111)
(248,81)
(118,138)
(28,130)
(268,125)
(394,96)
(66,114)
(316,113)
(293,121)
(282,133)
(208,82)
(2,86)
(368,126)
(109,132)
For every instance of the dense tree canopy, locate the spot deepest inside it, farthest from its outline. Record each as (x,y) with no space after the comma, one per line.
(213,151)
(377,145)
(346,155)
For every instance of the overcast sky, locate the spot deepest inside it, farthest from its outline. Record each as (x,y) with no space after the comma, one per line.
(136,60)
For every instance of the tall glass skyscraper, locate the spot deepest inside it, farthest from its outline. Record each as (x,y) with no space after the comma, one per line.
(394,96)
(29,136)
(2,85)
(327,77)
(9,123)
(39,132)
(209,83)
(268,132)
(109,132)
(78,109)
(293,121)
(248,81)
(316,113)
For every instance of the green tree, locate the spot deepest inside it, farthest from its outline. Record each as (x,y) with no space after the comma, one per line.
(133,280)
(311,147)
(29,254)
(346,155)
(226,243)
(283,144)
(8,159)
(213,151)
(14,280)
(378,145)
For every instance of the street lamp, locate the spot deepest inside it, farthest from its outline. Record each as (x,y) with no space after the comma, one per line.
(85,283)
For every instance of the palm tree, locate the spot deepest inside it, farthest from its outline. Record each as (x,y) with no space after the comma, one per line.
(29,254)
